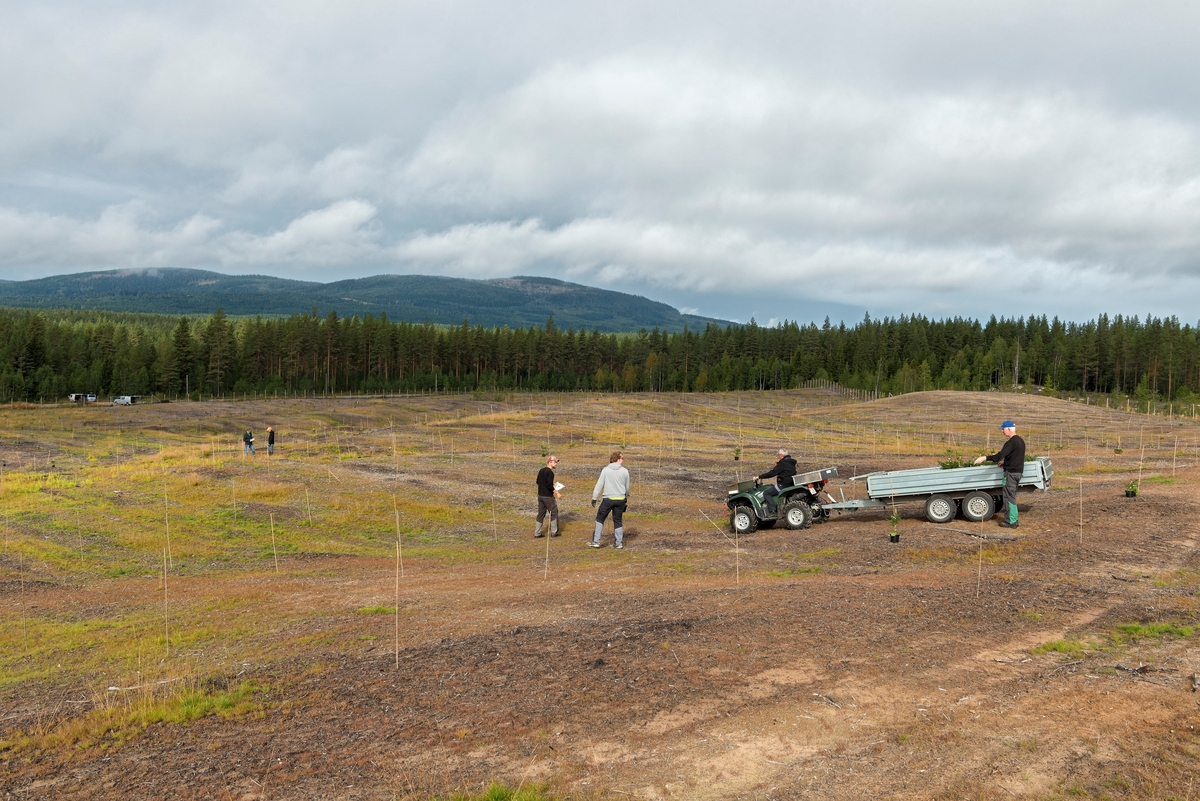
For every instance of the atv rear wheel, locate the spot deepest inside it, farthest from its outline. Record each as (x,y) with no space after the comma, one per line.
(797,515)
(742,520)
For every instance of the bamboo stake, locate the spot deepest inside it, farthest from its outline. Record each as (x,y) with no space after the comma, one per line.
(494,532)
(166,630)
(308,504)
(167,522)
(979,574)
(397,595)
(1141,461)
(79,531)
(399,547)
(546,570)
(1081,513)
(24,624)
(737,552)
(274,552)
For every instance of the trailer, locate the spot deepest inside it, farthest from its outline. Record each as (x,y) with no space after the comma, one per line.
(974,491)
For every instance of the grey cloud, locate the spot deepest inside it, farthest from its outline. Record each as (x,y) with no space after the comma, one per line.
(899,157)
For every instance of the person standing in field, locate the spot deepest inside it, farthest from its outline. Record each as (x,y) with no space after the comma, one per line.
(548,497)
(270,441)
(1011,457)
(248,442)
(612,490)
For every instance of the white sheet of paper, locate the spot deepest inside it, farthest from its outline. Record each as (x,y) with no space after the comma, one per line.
(558,485)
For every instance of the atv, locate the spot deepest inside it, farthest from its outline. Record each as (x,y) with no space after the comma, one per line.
(798,506)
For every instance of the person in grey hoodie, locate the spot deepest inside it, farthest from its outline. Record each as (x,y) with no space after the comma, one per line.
(612,489)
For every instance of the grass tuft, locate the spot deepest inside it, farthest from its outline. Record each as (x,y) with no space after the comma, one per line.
(376,610)
(500,792)
(1070,647)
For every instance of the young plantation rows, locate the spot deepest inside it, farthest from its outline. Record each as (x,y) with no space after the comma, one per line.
(376,582)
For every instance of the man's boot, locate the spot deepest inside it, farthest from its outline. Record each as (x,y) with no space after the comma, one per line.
(537,531)
(554,527)
(620,537)
(595,543)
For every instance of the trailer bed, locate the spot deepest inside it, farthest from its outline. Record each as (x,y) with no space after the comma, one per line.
(925,481)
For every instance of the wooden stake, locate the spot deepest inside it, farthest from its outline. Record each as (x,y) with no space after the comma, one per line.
(308,504)
(24,625)
(167,522)
(166,631)
(397,594)
(737,549)
(1081,512)
(979,575)
(546,570)
(274,552)
(79,530)
(399,547)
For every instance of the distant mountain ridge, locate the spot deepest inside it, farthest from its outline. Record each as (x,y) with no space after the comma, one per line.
(520,301)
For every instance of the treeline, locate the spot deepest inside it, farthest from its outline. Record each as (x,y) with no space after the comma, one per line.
(45,355)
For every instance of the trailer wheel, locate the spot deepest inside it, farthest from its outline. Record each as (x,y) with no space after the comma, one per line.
(797,515)
(742,520)
(940,509)
(978,507)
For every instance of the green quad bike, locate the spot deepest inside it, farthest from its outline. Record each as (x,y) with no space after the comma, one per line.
(798,506)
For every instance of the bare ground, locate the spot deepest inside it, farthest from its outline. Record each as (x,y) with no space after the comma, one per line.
(826,663)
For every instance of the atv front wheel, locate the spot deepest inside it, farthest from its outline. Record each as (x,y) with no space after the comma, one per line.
(742,520)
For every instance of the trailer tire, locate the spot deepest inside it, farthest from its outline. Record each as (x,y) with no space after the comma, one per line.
(742,520)
(940,509)
(978,507)
(797,515)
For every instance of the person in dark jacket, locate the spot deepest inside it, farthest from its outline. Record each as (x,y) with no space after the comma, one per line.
(270,440)
(782,472)
(548,496)
(1011,457)
(248,441)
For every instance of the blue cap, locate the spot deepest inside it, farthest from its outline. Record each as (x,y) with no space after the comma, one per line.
(1008,424)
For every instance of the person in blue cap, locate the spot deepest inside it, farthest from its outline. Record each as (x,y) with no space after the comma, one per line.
(1012,458)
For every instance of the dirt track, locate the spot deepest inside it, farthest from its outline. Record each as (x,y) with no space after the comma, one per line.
(827,663)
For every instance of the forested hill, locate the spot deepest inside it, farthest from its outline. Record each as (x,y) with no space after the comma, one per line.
(516,302)
(45,355)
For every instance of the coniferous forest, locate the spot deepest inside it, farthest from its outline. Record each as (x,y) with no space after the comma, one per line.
(45,355)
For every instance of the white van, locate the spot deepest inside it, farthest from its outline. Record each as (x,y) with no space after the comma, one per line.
(123,400)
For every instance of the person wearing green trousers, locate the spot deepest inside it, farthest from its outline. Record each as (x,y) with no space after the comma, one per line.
(1012,458)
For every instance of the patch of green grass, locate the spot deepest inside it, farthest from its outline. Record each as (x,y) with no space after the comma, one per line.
(1070,647)
(376,610)
(819,554)
(500,792)
(1138,631)
(116,722)
(1158,480)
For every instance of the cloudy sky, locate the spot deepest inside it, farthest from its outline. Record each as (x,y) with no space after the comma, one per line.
(782,160)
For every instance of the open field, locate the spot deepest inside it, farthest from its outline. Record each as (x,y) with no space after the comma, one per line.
(182,621)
